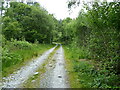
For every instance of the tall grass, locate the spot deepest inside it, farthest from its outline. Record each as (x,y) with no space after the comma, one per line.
(16,53)
(72,55)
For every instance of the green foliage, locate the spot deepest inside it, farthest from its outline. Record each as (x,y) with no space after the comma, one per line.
(79,53)
(93,78)
(31,22)
(96,36)
(12,29)
(90,73)
(68,30)
(22,24)
(9,59)
(22,44)
(15,53)
(97,31)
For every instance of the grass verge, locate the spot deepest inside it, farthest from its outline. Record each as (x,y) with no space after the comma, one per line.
(16,55)
(72,76)
(86,73)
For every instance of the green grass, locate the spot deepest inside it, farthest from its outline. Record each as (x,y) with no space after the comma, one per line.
(78,66)
(15,57)
(86,73)
(72,75)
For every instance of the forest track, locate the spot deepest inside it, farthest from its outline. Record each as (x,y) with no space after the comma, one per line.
(55,75)
(16,79)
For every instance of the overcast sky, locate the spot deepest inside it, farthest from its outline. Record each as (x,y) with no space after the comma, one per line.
(59,8)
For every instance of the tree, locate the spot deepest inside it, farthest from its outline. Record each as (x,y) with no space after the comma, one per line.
(34,21)
(11,29)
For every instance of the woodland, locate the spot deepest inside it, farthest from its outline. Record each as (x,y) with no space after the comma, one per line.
(91,41)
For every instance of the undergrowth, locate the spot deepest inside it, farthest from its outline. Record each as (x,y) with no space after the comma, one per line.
(16,53)
(88,73)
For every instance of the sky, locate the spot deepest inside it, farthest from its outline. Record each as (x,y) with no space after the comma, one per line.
(59,8)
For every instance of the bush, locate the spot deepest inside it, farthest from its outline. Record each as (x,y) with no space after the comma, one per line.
(9,59)
(77,53)
(89,76)
(22,44)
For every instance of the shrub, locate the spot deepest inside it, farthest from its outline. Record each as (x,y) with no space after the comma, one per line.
(89,76)
(22,44)
(9,58)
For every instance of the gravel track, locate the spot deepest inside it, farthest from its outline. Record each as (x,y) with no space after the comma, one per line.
(55,76)
(16,79)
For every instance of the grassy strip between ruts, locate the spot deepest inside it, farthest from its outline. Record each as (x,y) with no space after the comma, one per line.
(34,81)
(27,55)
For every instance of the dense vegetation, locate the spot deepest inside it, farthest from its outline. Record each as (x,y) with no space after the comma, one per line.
(17,53)
(29,22)
(91,40)
(23,28)
(95,36)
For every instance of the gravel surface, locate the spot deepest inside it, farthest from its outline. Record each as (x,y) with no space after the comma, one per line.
(55,76)
(16,79)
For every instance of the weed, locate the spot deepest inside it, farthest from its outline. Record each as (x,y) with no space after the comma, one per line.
(16,53)
(88,73)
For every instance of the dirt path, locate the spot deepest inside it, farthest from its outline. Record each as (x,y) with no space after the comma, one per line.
(55,76)
(19,77)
